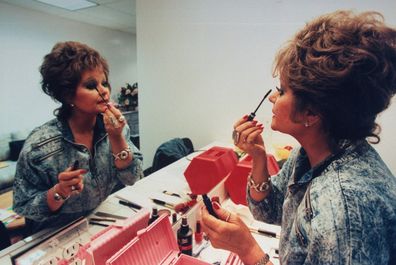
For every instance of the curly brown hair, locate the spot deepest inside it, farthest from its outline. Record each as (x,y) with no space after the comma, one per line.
(62,69)
(343,67)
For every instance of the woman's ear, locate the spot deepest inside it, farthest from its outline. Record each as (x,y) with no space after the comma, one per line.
(310,118)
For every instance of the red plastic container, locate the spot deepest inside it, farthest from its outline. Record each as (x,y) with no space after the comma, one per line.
(237,181)
(207,169)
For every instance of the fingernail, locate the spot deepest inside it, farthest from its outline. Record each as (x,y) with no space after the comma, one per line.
(83,171)
(254,122)
(216,205)
(245,117)
(216,199)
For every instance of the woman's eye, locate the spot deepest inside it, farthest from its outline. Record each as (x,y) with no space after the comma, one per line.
(280,90)
(91,86)
(105,84)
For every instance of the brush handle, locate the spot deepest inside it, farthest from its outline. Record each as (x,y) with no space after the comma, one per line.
(208,205)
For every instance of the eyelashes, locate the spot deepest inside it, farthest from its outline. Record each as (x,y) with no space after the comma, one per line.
(94,85)
(280,90)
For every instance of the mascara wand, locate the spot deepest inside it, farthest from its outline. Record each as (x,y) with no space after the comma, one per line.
(253,114)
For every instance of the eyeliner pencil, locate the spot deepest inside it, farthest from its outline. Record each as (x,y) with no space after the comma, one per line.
(130,204)
(163,203)
(263,232)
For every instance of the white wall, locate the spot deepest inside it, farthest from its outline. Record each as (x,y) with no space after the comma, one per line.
(25,37)
(203,64)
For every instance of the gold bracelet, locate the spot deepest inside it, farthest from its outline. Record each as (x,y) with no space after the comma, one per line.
(123,154)
(259,187)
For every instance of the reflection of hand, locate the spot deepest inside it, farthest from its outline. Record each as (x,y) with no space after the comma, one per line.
(114,121)
(230,232)
(250,139)
(70,182)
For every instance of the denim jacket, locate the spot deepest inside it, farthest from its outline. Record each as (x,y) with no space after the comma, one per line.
(342,211)
(49,150)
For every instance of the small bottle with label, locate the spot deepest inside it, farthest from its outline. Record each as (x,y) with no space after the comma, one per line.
(185,237)
(198,233)
(154,215)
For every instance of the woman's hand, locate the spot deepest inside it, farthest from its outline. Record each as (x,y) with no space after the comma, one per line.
(248,136)
(230,232)
(114,121)
(70,182)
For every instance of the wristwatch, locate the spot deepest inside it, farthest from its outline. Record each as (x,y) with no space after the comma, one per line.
(122,155)
(58,197)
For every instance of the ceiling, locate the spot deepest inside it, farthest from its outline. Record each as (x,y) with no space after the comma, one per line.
(113,14)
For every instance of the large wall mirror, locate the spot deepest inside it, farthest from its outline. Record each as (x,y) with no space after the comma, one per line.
(28,31)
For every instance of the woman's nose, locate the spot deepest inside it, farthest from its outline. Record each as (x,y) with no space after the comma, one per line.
(273,96)
(104,90)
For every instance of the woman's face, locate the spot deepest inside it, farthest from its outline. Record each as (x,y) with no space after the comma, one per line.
(283,110)
(87,99)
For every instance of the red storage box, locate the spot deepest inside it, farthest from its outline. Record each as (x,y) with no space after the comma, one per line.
(237,181)
(155,245)
(207,169)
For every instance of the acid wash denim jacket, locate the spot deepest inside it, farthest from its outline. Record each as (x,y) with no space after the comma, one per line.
(49,150)
(342,211)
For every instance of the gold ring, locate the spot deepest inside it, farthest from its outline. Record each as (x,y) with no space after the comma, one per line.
(228,217)
(121,118)
(112,121)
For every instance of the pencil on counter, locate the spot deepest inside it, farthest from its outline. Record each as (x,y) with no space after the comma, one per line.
(263,232)
(163,203)
(171,193)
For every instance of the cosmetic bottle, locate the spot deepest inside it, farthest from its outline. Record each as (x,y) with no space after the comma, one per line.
(174,218)
(154,215)
(198,233)
(184,237)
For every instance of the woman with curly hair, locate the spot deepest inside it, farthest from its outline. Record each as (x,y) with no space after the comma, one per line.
(70,164)
(334,198)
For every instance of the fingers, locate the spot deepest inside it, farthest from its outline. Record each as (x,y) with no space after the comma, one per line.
(113,119)
(221,212)
(70,174)
(71,181)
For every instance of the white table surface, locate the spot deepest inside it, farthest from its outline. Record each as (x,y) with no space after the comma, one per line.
(171,178)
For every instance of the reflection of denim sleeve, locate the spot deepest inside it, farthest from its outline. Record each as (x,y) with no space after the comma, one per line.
(269,210)
(133,172)
(31,185)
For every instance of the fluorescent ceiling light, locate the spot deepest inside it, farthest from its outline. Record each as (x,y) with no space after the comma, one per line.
(71,5)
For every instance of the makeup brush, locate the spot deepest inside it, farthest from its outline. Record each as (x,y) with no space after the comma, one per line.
(101,95)
(253,114)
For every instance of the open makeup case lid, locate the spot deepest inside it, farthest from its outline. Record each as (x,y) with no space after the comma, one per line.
(154,245)
(107,242)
